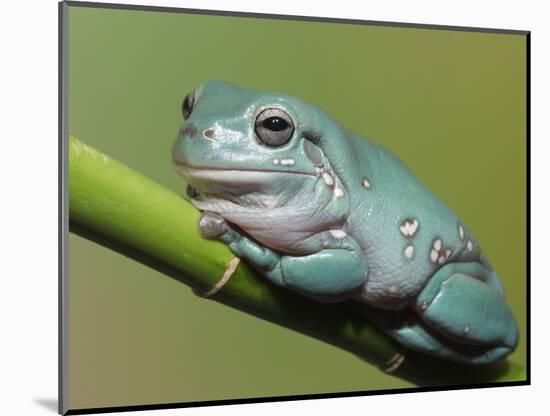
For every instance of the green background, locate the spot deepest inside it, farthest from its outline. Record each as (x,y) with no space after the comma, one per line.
(451,104)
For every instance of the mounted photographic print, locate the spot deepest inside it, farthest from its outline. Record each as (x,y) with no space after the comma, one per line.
(260,208)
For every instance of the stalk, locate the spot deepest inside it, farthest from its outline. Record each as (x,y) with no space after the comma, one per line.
(115,206)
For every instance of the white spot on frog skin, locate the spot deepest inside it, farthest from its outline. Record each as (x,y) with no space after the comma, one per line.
(287,162)
(366,183)
(339,234)
(318,169)
(329,180)
(369,213)
(409,227)
(424,306)
(469,245)
(393,289)
(275,161)
(439,254)
(466,329)
(409,252)
(338,192)
(461,232)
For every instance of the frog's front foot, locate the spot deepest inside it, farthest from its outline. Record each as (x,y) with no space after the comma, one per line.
(212,225)
(318,275)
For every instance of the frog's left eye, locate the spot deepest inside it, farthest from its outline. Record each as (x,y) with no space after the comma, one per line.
(187,106)
(274,127)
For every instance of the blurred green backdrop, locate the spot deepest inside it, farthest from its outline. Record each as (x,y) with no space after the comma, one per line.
(451,104)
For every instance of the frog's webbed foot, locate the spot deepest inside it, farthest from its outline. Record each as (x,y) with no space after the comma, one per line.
(318,275)
(461,315)
(214,226)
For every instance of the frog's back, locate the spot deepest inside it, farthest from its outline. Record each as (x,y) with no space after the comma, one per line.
(406,232)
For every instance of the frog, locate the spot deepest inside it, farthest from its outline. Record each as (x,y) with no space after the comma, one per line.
(334,216)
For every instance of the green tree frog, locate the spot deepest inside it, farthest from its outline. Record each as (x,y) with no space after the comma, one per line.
(333,216)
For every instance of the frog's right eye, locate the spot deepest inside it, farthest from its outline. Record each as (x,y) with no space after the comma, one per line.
(274,127)
(187,106)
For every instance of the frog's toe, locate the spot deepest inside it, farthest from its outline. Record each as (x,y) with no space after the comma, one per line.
(212,225)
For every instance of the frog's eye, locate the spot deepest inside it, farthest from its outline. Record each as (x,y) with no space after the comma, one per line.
(187,106)
(274,127)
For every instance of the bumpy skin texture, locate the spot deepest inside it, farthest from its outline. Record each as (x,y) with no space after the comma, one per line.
(334,216)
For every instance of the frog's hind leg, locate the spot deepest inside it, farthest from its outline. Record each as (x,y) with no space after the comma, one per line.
(410,331)
(463,302)
(461,315)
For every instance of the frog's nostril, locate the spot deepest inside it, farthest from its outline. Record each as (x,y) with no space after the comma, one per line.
(188,130)
(208,133)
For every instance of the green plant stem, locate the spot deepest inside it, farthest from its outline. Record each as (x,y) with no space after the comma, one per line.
(118,207)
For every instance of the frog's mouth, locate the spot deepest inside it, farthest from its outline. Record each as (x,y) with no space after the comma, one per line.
(236,189)
(236,175)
